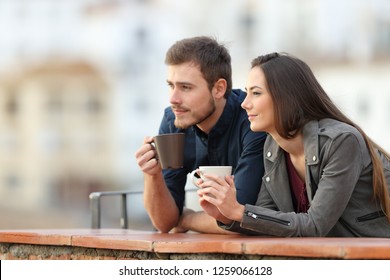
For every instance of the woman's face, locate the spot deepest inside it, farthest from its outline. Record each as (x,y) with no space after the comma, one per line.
(258,102)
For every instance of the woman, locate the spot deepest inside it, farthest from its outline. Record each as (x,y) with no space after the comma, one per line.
(323,175)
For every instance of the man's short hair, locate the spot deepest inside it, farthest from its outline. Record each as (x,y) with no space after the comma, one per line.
(212,58)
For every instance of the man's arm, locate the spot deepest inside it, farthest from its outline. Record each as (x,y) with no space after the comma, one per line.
(159,203)
(199,222)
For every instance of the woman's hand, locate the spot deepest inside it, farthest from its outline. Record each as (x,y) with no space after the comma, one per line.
(218,198)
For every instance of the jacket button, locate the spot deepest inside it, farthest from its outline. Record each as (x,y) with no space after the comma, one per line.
(269,154)
(267,179)
(314,158)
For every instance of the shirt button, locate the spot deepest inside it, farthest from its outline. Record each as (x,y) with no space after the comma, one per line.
(314,158)
(267,179)
(269,154)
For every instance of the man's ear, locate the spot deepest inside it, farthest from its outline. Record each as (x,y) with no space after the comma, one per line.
(219,88)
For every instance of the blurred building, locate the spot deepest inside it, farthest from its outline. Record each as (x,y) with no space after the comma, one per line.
(55,134)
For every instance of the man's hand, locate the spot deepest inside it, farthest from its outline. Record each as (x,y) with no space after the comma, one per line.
(146,158)
(181,227)
(198,222)
(158,202)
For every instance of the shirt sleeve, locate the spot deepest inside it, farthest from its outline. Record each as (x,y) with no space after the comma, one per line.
(250,167)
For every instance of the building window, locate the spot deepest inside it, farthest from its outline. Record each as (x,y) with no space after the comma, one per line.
(12,181)
(363,107)
(12,105)
(54,103)
(93,104)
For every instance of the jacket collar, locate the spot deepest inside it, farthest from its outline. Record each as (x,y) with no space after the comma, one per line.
(310,142)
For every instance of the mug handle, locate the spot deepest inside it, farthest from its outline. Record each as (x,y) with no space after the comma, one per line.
(154,148)
(194,178)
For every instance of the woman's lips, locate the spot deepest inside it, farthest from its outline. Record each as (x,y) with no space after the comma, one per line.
(251,116)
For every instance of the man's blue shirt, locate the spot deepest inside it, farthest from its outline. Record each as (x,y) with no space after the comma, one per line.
(230,142)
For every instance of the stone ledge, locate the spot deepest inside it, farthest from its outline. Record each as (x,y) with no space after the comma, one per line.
(132,244)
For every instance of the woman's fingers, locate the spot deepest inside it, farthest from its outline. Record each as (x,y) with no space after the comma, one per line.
(210,195)
(230,180)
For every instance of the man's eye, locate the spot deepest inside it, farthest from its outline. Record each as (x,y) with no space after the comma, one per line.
(185,87)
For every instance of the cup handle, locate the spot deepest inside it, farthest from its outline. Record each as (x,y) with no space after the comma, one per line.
(154,148)
(194,178)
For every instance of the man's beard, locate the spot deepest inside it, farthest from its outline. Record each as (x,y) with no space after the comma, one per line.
(197,117)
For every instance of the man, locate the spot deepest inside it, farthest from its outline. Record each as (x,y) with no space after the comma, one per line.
(217,132)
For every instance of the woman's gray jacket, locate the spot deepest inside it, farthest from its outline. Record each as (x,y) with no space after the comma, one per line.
(338,184)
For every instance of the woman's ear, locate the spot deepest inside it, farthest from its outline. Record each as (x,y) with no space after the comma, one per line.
(219,88)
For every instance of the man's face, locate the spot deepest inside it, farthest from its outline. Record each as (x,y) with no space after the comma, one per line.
(189,95)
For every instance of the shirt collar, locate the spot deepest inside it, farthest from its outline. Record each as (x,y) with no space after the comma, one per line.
(228,113)
(235,97)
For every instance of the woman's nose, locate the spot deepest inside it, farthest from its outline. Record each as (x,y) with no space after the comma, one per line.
(245,103)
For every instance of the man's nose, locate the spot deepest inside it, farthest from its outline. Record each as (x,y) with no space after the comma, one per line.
(174,96)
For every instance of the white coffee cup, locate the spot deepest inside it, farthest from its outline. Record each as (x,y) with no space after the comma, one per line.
(220,171)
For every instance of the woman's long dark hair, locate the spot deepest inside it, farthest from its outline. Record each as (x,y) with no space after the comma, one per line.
(299,98)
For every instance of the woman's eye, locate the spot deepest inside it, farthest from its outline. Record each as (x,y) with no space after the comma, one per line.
(256,93)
